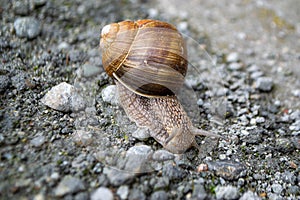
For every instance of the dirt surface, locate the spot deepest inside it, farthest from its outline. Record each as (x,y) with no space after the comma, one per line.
(76,142)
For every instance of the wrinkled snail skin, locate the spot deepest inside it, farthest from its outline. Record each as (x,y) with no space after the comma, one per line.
(163,116)
(147,59)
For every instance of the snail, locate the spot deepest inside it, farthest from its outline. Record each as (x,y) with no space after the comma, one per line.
(148,61)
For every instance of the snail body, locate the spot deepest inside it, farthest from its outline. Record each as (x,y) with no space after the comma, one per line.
(148,60)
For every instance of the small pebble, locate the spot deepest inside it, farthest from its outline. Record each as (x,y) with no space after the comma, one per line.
(232,57)
(200,102)
(249,195)
(27,27)
(141,134)
(102,193)
(109,95)
(118,177)
(228,170)
(162,155)
(227,192)
(295,126)
(162,183)
(19,80)
(39,197)
(21,7)
(235,66)
(69,185)
(136,194)
(182,26)
(264,84)
(54,176)
(296,93)
(253,68)
(82,137)
(38,141)
(284,145)
(199,192)
(256,74)
(64,97)
(90,70)
(38,3)
(260,120)
(277,188)
(137,159)
(63,45)
(173,172)
(123,192)
(161,195)
(222,156)
(76,55)
(4,83)
(152,12)
(202,168)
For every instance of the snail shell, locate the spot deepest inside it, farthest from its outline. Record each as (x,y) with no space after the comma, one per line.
(149,57)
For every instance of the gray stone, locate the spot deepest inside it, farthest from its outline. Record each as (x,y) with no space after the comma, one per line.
(296,93)
(232,57)
(69,185)
(249,195)
(162,155)
(63,45)
(123,192)
(90,70)
(82,137)
(289,177)
(253,68)
(277,188)
(65,98)
(260,120)
(173,172)
(256,74)
(27,27)
(199,192)
(138,159)
(162,183)
(227,192)
(136,194)
(200,102)
(235,66)
(228,170)
(295,115)
(141,134)
(38,141)
(159,195)
(21,7)
(295,126)
(76,55)
(273,196)
(19,80)
(82,196)
(118,177)
(102,193)
(284,144)
(264,84)
(38,3)
(109,95)
(293,189)
(4,82)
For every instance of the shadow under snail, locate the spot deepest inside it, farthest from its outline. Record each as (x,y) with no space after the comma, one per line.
(148,60)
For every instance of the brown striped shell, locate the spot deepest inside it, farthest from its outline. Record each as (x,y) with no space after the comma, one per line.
(148,57)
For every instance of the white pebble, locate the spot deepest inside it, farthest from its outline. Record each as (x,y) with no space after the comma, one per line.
(109,95)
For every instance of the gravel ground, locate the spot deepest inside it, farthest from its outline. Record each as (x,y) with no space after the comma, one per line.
(64,135)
